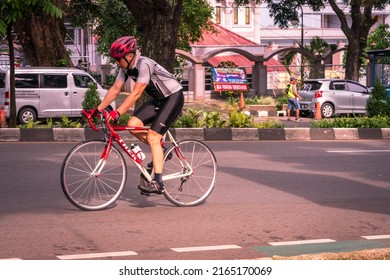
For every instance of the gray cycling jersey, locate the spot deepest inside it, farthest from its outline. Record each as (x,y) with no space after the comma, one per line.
(160,82)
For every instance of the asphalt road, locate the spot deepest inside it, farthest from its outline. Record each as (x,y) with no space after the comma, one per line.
(272,198)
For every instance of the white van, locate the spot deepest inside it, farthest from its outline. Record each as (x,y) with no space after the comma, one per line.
(42,92)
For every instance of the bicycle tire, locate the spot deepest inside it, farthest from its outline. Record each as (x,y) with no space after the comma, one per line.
(86,190)
(195,188)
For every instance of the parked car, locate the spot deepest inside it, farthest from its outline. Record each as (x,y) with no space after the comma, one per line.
(42,92)
(335,97)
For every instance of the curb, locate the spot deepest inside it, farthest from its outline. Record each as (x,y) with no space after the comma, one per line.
(206,134)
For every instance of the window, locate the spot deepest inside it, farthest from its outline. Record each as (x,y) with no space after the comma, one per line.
(26,81)
(54,81)
(242,15)
(82,81)
(356,88)
(247,15)
(337,86)
(218,15)
(2,80)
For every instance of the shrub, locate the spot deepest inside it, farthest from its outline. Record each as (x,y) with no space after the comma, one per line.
(378,104)
(68,123)
(190,119)
(91,98)
(123,120)
(270,124)
(239,119)
(356,122)
(213,119)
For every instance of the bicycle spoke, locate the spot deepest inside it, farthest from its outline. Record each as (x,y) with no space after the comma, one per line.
(89,182)
(189,186)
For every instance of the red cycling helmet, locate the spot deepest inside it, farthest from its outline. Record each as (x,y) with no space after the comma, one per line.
(123,46)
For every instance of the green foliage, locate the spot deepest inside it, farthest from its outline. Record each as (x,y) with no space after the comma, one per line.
(123,120)
(239,119)
(49,122)
(106,14)
(30,124)
(378,104)
(194,21)
(68,123)
(270,124)
(12,10)
(232,100)
(280,101)
(356,122)
(191,119)
(379,39)
(91,97)
(213,119)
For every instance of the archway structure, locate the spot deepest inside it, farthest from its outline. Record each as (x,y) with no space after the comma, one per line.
(259,70)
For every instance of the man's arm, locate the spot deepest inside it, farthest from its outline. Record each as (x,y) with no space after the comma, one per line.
(111,94)
(296,92)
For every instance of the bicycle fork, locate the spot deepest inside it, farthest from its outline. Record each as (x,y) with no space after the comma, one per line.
(102,161)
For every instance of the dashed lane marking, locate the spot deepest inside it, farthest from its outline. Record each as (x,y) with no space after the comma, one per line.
(295,248)
(374,237)
(359,151)
(286,248)
(97,255)
(205,248)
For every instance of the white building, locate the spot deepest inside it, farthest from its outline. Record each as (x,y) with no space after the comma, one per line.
(254,23)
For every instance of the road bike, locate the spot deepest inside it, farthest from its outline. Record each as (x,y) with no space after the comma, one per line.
(94,172)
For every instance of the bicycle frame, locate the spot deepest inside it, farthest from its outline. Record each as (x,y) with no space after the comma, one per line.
(112,135)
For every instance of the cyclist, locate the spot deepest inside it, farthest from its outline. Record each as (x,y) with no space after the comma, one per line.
(160,110)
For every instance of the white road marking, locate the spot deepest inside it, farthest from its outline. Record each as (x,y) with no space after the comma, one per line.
(97,255)
(372,237)
(360,151)
(301,242)
(206,248)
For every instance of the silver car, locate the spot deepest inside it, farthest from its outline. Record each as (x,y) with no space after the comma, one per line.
(335,97)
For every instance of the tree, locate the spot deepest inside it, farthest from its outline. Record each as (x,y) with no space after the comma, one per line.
(42,37)
(356,31)
(161,26)
(10,12)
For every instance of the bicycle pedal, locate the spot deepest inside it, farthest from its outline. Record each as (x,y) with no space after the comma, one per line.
(145,193)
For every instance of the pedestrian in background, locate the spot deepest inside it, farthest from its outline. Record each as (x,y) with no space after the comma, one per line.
(80,65)
(293,99)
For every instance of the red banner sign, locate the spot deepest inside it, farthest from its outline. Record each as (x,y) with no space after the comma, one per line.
(218,87)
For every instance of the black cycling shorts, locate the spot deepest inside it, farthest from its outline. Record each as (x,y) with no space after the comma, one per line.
(161,113)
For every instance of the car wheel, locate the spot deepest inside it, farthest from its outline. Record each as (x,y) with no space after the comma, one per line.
(27,113)
(327,110)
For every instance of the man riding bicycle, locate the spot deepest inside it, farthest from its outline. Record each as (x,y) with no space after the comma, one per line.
(160,110)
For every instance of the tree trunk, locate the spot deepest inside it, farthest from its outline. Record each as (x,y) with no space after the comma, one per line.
(12,104)
(159,23)
(352,61)
(43,40)
(356,33)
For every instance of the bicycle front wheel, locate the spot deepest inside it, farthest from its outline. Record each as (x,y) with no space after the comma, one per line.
(190,173)
(89,181)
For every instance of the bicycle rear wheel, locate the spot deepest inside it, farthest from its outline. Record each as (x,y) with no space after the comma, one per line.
(199,177)
(89,182)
